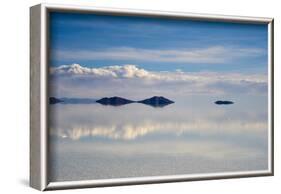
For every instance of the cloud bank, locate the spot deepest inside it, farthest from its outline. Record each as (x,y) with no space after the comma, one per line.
(131,81)
(126,71)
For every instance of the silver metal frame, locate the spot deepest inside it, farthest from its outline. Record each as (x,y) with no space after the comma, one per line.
(39,52)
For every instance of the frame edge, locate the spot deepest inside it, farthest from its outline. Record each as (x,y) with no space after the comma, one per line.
(157,13)
(271,40)
(35,176)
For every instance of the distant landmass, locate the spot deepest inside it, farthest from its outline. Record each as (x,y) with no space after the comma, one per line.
(114,101)
(223,102)
(54,100)
(156,101)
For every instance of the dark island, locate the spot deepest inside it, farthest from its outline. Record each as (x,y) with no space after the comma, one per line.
(53,100)
(156,101)
(223,102)
(114,101)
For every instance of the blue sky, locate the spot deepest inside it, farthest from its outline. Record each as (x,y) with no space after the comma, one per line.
(157,44)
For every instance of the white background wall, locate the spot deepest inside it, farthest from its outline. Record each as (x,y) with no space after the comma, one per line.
(14,97)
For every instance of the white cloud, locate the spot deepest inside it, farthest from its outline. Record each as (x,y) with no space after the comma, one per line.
(126,71)
(129,80)
(208,55)
(133,71)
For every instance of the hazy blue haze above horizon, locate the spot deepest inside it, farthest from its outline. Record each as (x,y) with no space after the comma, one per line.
(192,45)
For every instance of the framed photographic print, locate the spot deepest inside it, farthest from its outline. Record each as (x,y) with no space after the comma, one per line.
(123,97)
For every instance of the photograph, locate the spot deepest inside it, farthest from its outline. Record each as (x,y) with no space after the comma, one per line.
(135,96)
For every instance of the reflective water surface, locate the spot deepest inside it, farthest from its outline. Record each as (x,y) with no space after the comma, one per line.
(193,135)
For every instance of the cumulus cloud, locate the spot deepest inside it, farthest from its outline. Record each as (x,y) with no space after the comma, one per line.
(130,80)
(208,55)
(126,71)
(133,71)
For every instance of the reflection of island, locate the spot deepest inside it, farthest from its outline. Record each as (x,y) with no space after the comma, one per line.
(225,102)
(156,101)
(114,101)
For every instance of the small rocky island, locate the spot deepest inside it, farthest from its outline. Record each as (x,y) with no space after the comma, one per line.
(156,101)
(114,101)
(223,102)
(53,100)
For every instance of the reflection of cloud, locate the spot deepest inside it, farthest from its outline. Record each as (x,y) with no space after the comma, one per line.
(74,80)
(133,131)
(209,55)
